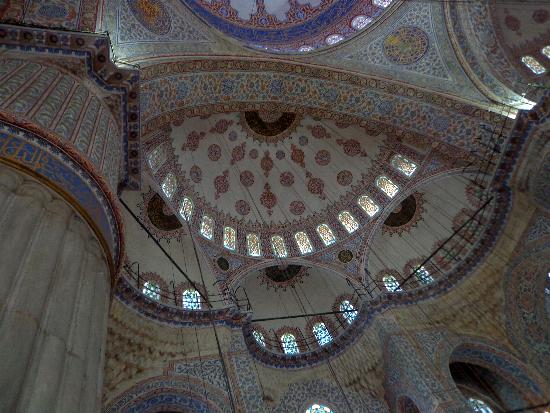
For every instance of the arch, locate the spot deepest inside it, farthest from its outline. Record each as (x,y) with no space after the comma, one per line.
(60,167)
(493,357)
(170,393)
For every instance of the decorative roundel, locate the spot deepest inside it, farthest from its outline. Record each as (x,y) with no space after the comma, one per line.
(406,45)
(152,15)
(223,263)
(214,152)
(161,216)
(269,127)
(322,157)
(247,178)
(297,207)
(195,173)
(242,207)
(344,178)
(345,256)
(286,179)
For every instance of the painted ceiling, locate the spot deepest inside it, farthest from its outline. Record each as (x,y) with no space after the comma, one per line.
(288,26)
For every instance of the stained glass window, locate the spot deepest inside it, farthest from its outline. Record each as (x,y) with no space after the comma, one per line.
(368,205)
(318,408)
(322,334)
(278,245)
(387,186)
(423,275)
(382,3)
(151,290)
(259,337)
(305,49)
(289,344)
(326,234)
(229,238)
(253,245)
(334,38)
(156,158)
(546,51)
(391,283)
(186,208)
(304,244)
(169,185)
(348,221)
(533,65)
(207,227)
(403,165)
(351,313)
(479,406)
(191,300)
(360,22)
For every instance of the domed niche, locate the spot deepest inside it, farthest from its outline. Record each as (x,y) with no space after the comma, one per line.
(295,299)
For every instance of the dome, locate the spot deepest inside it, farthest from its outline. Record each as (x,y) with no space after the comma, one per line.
(284,26)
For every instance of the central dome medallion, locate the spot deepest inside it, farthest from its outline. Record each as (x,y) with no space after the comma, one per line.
(269,127)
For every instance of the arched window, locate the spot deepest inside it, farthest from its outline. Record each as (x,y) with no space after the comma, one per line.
(382,3)
(479,406)
(318,408)
(348,221)
(186,208)
(169,185)
(326,234)
(289,344)
(207,227)
(229,238)
(191,299)
(533,65)
(253,245)
(403,165)
(156,158)
(259,337)
(387,186)
(351,312)
(151,290)
(322,334)
(546,51)
(360,22)
(391,283)
(303,242)
(423,276)
(279,247)
(368,205)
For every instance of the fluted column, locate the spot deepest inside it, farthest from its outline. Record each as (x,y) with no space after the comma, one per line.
(53,302)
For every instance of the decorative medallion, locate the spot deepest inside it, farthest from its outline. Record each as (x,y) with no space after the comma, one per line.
(268,198)
(221,183)
(266,163)
(195,173)
(242,207)
(297,156)
(319,132)
(344,178)
(283,276)
(253,153)
(223,264)
(345,256)
(221,126)
(405,216)
(159,219)
(193,140)
(316,186)
(351,147)
(322,157)
(286,179)
(247,178)
(237,154)
(406,45)
(269,127)
(152,15)
(297,207)
(214,152)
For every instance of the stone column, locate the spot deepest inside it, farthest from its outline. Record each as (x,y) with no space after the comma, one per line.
(54,295)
